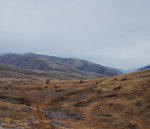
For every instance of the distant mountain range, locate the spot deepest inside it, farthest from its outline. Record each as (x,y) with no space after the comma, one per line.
(58,65)
(144,68)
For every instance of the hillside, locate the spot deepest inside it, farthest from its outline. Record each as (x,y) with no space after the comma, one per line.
(66,65)
(80,64)
(119,102)
(144,68)
(11,71)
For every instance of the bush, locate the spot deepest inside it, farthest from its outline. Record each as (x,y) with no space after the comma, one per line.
(39,88)
(123,79)
(81,81)
(28,104)
(47,81)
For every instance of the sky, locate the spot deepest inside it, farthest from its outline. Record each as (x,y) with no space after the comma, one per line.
(114,33)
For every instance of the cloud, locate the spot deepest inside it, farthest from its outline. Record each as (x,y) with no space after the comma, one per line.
(113,33)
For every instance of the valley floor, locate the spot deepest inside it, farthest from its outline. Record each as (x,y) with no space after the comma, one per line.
(119,102)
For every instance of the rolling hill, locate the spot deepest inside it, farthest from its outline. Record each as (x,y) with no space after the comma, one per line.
(144,68)
(118,102)
(52,64)
(12,71)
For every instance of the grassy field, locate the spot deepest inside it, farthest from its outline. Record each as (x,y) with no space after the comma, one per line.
(119,102)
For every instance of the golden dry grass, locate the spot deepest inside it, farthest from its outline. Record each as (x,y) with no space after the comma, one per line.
(119,102)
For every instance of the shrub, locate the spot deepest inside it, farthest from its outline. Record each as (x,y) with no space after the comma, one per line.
(81,81)
(47,81)
(56,87)
(28,104)
(39,88)
(123,79)
(117,88)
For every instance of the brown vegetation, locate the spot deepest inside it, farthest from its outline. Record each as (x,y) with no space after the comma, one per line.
(120,102)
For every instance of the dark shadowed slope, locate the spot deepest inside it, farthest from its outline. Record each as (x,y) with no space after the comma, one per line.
(57,64)
(144,68)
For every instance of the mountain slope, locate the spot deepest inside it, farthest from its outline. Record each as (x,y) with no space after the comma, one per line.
(11,71)
(79,64)
(144,68)
(49,63)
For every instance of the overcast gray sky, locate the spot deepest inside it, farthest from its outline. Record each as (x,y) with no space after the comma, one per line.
(114,33)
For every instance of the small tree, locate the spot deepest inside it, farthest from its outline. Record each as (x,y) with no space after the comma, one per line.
(47,81)
(81,81)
